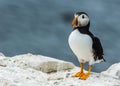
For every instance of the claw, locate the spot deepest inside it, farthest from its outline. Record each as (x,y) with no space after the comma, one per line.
(79,74)
(85,76)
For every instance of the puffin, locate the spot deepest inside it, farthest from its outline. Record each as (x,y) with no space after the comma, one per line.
(84,44)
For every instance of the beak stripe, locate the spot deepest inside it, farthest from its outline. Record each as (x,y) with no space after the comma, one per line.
(74,22)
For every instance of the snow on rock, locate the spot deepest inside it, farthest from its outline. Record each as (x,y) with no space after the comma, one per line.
(37,62)
(38,70)
(113,71)
(2,55)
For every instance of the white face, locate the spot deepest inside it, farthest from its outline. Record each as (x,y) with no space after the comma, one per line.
(83,19)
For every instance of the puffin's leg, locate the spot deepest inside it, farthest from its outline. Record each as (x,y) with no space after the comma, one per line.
(79,74)
(85,76)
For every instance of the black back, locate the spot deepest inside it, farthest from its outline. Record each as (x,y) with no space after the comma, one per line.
(97,47)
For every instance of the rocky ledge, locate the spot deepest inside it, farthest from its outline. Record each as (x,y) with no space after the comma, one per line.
(38,70)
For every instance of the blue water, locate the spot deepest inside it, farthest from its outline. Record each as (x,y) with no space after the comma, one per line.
(43,27)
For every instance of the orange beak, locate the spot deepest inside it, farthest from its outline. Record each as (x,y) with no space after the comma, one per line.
(75,22)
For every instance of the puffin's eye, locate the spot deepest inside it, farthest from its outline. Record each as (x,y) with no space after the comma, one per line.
(83,16)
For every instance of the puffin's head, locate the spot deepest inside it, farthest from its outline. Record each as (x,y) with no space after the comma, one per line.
(81,19)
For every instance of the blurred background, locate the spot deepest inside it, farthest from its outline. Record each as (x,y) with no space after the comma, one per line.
(43,27)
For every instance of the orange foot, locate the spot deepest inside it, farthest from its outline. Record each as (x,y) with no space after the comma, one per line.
(84,76)
(79,74)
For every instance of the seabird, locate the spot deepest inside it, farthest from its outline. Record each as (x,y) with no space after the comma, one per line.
(84,44)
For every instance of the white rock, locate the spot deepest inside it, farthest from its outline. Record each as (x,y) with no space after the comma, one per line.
(113,71)
(30,70)
(16,76)
(2,55)
(38,62)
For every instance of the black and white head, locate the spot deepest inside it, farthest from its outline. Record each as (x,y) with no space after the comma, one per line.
(81,19)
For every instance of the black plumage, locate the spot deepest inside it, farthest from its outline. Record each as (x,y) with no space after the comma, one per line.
(84,44)
(97,47)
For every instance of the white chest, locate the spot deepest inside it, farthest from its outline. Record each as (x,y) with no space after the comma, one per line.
(81,45)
